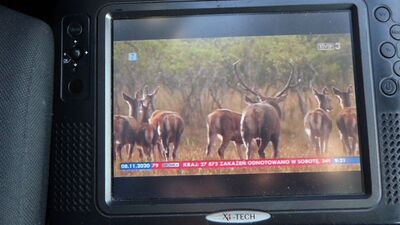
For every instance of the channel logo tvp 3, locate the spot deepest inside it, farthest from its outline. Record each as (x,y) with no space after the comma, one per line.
(238,216)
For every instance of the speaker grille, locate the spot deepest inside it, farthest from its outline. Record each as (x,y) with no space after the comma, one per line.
(72,165)
(390,147)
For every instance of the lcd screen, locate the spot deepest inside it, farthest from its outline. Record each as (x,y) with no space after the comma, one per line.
(264,103)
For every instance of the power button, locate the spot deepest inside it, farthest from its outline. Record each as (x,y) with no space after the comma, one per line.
(74,29)
(389,87)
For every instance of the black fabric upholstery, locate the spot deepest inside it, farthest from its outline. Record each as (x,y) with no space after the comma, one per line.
(26,90)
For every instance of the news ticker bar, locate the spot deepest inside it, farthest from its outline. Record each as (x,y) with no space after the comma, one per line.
(220,164)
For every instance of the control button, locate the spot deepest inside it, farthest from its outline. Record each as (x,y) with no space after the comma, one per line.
(389,87)
(74,29)
(382,14)
(388,50)
(75,86)
(75,53)
(66,60)
(395,32)
(396,68)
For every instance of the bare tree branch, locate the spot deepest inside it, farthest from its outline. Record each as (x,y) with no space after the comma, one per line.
(214,97)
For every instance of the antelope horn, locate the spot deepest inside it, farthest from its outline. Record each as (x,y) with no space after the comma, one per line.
(145,90)
(245,86)
(155,90)
(294,71)
(138,93)
(287,85)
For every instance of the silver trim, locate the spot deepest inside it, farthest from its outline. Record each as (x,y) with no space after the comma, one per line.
(238,216)
(107,106)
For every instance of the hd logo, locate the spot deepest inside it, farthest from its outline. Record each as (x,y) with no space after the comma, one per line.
(238,216)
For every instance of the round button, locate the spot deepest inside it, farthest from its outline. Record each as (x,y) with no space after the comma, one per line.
(76,53)
(388,50)
(396,68)
(395,32)
(74,29)
(75,86)
(382,14)
(389,87)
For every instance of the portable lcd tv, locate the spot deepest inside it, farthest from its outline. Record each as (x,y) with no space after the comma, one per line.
(203,112)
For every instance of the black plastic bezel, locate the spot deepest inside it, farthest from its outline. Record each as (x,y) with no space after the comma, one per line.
(364,90)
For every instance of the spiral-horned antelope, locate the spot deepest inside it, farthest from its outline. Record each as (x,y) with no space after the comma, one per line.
(168,124)
(347,120)
(261,119)
(125,127)
(318,123)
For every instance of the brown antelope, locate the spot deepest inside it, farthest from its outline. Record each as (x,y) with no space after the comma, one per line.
(145,134)
(124,127)
(318,123)
(124,134)
(261,119)
(169,125)
(225,124)
(347,121)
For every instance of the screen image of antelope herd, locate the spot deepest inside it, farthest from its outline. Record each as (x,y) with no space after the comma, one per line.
(234,98)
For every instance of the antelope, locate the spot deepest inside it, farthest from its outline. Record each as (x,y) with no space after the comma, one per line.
(225,124)
(149,102)
(260,120)
(145,134)
(347,120)
(169,125)
(318,123)
(122,135)
(124,127)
